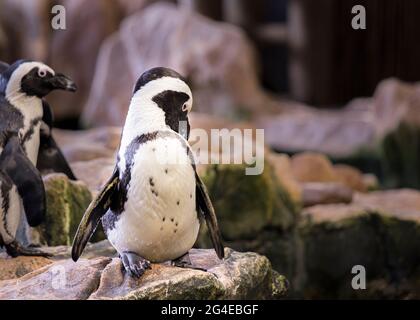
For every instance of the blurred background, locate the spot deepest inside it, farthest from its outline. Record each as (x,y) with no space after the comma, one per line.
(340,109)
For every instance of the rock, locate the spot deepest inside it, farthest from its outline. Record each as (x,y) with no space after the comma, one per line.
(379,230)
(86,28)
(246,204)
(282,167)
(316,167)
(324,193)
(128,7)
(378,134)
(33,16)
(370,182)
(85,145)
(67,201)
(61,281)
(351,177)
(13,268)
(95,173)
(239,276)
(312,167)
(399,151)
(338,134)
(217,59)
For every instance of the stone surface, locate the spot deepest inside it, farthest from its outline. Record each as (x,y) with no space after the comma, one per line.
(13,268)
(95,173)
(67,201)
(62,281)
(312,167)
(239,276)
(351,177)
(84,145)
(33,16)
(324,193)
(379,231)
(247,204)
(316,167)
(86,28)
(217,59)
(341,133)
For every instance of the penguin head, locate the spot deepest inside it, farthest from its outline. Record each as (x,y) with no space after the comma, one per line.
(167,92)
(33,79)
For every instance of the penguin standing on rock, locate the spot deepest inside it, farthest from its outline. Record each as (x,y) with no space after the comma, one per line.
(22,87)
(150,207)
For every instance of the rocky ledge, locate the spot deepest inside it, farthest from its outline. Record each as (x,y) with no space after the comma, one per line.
(100,276)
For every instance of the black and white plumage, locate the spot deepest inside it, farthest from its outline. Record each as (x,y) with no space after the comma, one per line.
(150,207)
(22,87)
(50,158)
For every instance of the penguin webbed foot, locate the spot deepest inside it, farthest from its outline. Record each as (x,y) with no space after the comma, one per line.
(185,262)
(15,249)
(135,265)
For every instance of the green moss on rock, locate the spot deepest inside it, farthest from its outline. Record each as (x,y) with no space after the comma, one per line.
(246,204)
(67,201)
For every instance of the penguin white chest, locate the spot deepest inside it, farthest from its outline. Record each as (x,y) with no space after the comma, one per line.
(160,220)
(29,133)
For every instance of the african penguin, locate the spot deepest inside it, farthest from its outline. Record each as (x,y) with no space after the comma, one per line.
(150,207)
(22,87)
(50,157)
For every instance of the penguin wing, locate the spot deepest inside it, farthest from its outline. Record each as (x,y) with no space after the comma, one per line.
(16,165)
(206,207)
(93,214)
(50,157)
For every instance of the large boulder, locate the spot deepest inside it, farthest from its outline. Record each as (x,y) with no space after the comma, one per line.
(13,268)
(378,134)
(239,276)
(216,58)
(87,26)
(246,204)
(380,231)
(67,201)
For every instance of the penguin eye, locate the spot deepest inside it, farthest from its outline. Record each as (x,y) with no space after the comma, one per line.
(42,73)
(185,107)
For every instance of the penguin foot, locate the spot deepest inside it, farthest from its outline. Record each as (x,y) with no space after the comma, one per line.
(185,262)
(15,249)
(134,264)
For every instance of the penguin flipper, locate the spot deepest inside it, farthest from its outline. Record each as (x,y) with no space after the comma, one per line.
(205,206)
(93,214)
(16,165)
(50,157)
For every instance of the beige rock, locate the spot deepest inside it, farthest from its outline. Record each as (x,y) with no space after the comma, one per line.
(312,167)
(350,177)
(30,36)
(283,170)
(217,59)
(78,281)
(75,50)
(403,203)
(85,145)
(342,133)
(323,193)
(12,268)
(95,173)
(239,276)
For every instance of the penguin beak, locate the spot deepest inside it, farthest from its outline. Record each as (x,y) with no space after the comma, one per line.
(61,82)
